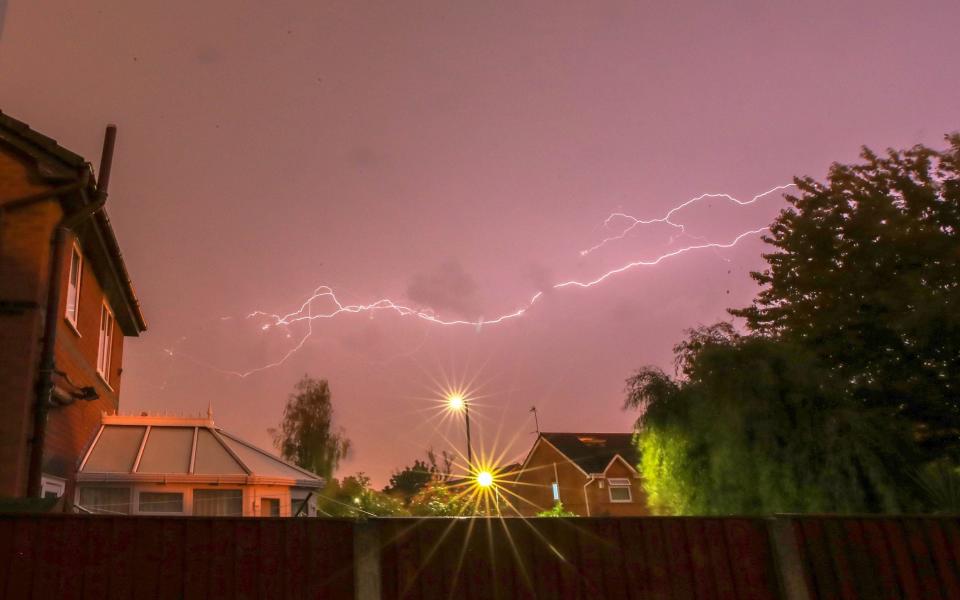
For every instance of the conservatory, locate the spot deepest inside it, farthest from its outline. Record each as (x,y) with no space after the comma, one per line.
(161,465)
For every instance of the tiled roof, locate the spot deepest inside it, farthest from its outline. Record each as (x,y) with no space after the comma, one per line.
(592,452)
(57,164)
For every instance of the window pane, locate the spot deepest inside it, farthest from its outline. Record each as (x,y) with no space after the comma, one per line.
(73,287)
(218,503)
(556,491)
(106,342)
(620,494)
(162,502)
(167,450)
(116,449)
(107,500)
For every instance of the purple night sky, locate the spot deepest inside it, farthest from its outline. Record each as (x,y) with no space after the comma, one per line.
(456,156)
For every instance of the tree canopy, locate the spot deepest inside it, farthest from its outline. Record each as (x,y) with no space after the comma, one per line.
(844,394)
(307,436)
(408,481)
(866,274)
(757,426)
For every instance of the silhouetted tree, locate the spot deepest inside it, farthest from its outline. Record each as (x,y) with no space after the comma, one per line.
(407,482)
(866,275)
(306,435)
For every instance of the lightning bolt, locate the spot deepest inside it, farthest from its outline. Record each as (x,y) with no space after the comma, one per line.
(634,222)
(305,312)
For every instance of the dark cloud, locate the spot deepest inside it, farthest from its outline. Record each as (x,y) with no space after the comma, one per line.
(365,157)
(206,55)
(447,288)
(541,276)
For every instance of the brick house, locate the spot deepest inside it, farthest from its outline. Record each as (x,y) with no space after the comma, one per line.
(592,474)
(61,345)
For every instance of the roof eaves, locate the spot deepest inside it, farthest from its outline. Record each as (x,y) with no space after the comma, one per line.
(623,460)
(560,452)
(38,145)
(54,162)
(270,456)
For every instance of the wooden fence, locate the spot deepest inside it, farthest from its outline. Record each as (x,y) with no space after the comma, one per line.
(794,558)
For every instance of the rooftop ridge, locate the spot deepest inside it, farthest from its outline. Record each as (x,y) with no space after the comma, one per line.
(157,420)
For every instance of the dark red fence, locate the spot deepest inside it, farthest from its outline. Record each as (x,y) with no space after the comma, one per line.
(67,556)
(577,558)
(909,557)
(76,556)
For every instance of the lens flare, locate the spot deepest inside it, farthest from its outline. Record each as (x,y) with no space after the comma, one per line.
(456,403)
(484,479)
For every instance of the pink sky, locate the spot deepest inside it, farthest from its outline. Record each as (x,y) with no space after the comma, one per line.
(459,156)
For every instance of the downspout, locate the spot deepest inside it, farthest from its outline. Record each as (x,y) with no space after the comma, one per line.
(586,498)
(48,343)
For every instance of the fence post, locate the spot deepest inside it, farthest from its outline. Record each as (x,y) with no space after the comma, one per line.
(786,558)
(366,560)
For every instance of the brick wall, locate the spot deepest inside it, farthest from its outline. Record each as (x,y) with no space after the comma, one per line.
(24,270)
(600,504)
(70,428)
(24,259)
(547,465)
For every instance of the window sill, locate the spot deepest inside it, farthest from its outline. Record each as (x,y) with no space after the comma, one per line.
(104,381)
(73,326)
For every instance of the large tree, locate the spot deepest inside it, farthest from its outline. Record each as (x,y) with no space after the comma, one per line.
(756,426)
(866,274)
(307,435)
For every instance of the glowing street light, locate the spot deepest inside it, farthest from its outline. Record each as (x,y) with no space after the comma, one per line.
(457,403)
(484,479)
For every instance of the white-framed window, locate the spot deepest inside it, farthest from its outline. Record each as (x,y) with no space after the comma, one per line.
(160,502)
(217,503)
(556,491)
(619,489)
(52,487)
(73,285)
(105,347)
(104,500)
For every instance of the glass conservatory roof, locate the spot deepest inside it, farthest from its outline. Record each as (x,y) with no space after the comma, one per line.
(151,445)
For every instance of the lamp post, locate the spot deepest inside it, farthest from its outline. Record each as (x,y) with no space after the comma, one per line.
(458,403)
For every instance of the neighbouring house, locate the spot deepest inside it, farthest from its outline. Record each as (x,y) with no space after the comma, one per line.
(161,465)
(592,474)
(66,305)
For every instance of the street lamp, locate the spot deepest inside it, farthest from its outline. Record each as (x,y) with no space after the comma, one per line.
(457,403)
(484,479)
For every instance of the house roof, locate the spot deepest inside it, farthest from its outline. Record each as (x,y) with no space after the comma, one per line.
(57,165)
(593,452)
(182,449)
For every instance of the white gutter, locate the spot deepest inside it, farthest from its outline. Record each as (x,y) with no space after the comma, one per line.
(585,497)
